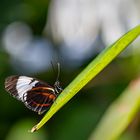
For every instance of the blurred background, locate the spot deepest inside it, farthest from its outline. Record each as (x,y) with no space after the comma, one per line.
(73,32)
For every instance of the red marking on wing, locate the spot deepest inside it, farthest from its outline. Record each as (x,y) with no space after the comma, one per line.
(52,96)
(41,105)
(43,88)
(49,95)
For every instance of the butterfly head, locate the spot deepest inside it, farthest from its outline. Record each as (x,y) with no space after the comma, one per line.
(57,87)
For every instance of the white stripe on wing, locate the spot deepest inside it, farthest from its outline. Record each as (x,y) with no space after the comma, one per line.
(24,84)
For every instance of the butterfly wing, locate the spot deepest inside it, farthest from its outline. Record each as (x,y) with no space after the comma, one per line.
(35,94)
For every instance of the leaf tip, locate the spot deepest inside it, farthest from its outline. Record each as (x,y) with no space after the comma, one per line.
(34,129)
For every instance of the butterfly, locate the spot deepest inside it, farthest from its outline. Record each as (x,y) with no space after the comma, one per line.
(35,94)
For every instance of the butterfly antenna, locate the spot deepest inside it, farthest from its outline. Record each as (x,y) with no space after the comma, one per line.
(58,71)
(53,67)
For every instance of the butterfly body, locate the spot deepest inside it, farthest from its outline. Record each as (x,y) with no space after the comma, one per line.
(35,94)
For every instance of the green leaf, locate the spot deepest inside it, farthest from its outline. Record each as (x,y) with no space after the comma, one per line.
(119,114)
(96,66)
